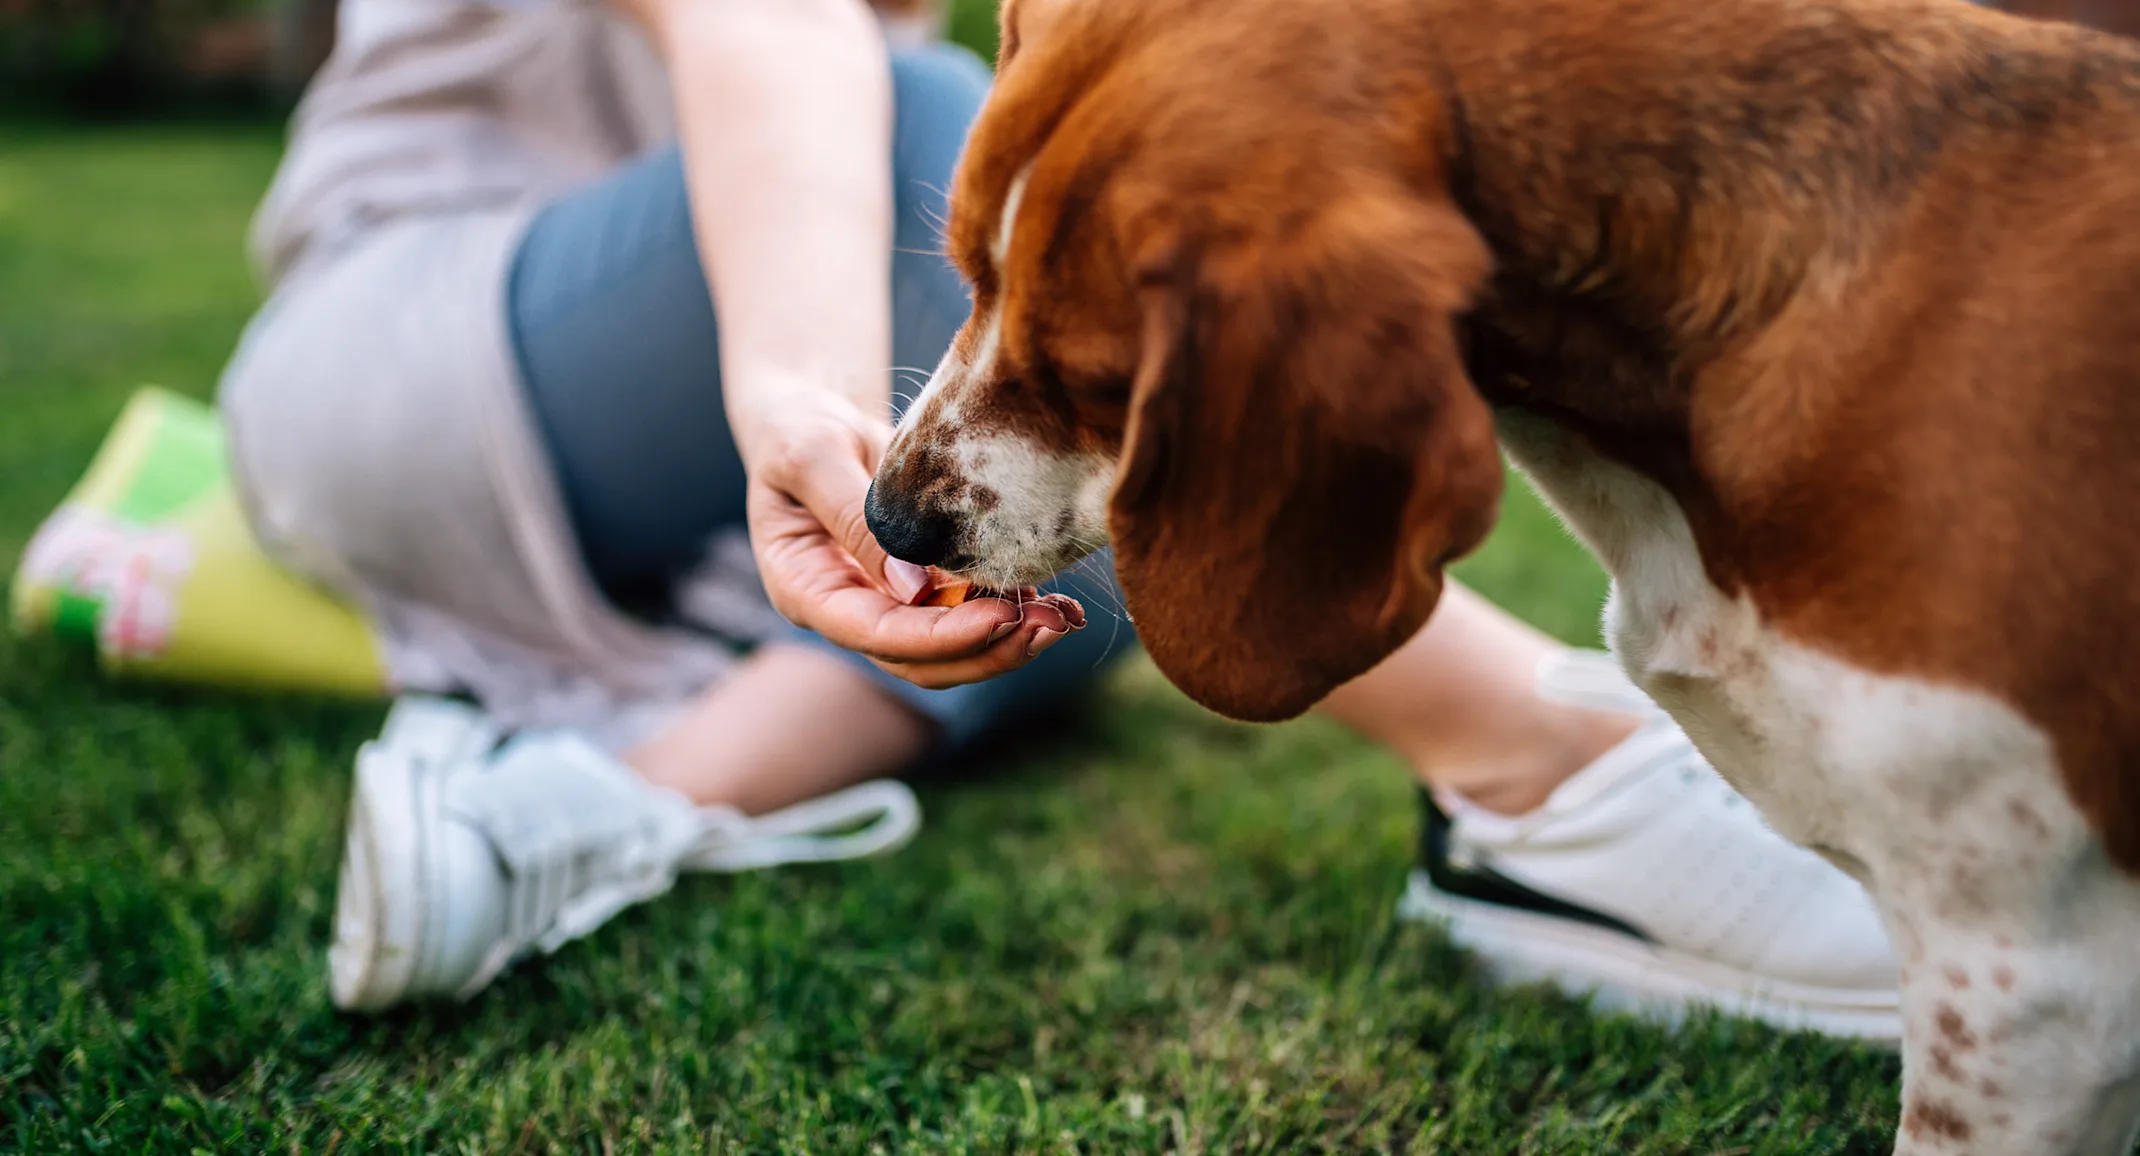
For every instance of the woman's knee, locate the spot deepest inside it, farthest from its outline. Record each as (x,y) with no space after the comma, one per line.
(351,381)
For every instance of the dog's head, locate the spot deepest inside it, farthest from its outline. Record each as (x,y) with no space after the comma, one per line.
(1215,271)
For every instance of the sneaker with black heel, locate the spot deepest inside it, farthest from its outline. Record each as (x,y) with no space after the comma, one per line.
(468,850)
(1648,883)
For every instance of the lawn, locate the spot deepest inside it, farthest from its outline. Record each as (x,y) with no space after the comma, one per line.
(1160,933)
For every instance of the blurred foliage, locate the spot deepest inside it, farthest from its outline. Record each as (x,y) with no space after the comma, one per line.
(124,57)
(129,58)
(968,22)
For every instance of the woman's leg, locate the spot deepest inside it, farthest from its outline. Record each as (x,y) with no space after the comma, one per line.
(619,348)
(1590,845)
(1458,704)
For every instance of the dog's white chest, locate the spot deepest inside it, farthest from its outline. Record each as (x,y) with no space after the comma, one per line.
(1944,801)
(1833,754)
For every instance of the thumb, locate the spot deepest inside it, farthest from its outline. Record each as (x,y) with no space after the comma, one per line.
(904,579)
(835,489)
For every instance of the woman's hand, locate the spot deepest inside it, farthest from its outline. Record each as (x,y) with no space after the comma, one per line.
(810,464)
(784,117)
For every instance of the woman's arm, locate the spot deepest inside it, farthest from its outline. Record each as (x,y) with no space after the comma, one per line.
(784,111)
(784,118)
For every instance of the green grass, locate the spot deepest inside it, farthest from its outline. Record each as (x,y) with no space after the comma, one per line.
(1159,933)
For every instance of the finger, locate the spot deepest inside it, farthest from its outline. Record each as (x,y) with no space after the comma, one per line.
(1046,611)
(1072,611)
(835,489)
(1020,649)
(876,438)
(1042,627)
(872,623)
(905,580)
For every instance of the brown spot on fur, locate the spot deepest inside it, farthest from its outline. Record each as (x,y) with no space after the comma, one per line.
(1943,1063)
(945,434)
(985,498)
(1991,1089)
(2002,977)
(1936,1117)
(1965,894)
(1954,1028)
(1957,979)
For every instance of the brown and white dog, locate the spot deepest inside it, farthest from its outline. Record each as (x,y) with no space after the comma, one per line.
(1819,320)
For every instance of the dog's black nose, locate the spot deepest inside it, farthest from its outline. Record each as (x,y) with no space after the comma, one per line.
(908,532)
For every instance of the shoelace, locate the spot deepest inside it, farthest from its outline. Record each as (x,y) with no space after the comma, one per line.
(566,899)
(882,814)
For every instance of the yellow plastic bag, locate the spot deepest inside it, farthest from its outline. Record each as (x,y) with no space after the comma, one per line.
(150,561)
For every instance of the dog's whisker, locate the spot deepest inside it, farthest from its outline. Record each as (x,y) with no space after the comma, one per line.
(1094,590)
(1116,616)
(1103,588)
(937,220)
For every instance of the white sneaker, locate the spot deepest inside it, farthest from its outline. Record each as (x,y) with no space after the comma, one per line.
(464,855)
(1646,880)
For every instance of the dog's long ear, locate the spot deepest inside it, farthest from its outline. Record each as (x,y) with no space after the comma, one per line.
(1304,451)
(1023,22)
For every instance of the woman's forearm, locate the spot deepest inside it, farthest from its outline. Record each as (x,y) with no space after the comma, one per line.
(784,118)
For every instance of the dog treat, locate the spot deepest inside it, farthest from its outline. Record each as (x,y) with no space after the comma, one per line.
(955,593)
(949,594)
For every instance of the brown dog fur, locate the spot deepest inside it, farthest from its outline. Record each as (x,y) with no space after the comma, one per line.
(1853,281)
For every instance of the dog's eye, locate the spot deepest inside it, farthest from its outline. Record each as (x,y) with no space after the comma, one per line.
(1081,389)
(1106,390)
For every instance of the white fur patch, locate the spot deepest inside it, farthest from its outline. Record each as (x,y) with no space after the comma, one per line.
(2015,934)
(1025,510)
(1000,247)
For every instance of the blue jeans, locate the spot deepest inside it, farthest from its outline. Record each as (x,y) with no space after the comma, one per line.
(615,333)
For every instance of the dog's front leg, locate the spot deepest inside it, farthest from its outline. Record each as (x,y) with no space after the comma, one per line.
(2020,989)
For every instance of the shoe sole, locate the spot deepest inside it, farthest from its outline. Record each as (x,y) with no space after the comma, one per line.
(380,919)
(1624,974)
(378,916)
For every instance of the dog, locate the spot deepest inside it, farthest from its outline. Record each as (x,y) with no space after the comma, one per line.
(1815,319)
